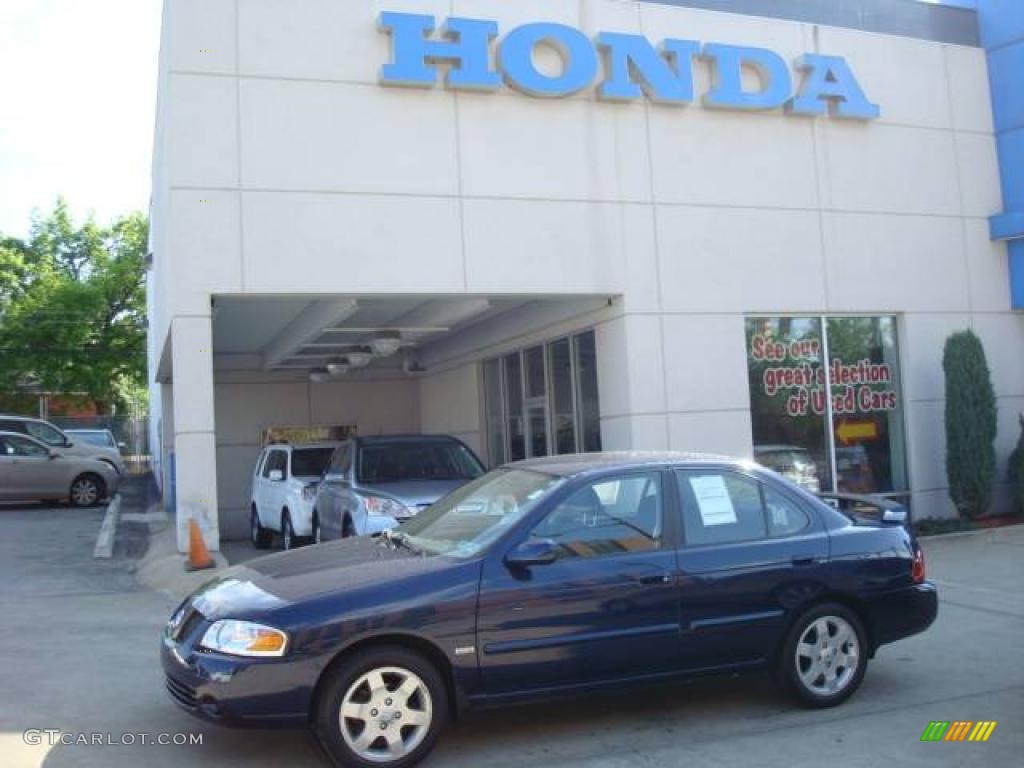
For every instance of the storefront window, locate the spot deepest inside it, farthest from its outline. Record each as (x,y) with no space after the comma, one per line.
(543,400)
(852,442)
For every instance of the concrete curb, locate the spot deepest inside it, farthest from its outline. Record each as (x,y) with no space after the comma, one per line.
(162,569)
(104,549)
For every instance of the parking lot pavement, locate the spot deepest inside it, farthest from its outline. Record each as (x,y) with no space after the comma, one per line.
(78,651)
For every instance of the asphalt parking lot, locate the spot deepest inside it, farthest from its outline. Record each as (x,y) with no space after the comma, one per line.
(78,652)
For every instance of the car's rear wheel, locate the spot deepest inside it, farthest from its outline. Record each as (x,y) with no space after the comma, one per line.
(347,529)
(260,536)
(86,491)
(383,707)
(825,655)
(287,532)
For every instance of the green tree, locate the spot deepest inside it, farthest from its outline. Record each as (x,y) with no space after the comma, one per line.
(970,424)
(73,307)
(1016,472)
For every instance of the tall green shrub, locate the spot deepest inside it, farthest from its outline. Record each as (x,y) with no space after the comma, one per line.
(1016,472)
(970,424)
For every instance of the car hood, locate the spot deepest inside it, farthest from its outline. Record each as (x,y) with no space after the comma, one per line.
(280,580)
(416,493)
(90,451)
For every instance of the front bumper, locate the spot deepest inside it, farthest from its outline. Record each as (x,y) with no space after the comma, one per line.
(238,692)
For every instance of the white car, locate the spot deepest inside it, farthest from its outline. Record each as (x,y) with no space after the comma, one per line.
(283,489)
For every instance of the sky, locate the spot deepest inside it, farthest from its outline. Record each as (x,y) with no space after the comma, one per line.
(77,106)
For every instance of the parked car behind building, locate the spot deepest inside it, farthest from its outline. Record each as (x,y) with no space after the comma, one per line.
(374,483)
(790,461)
(32,471)
(283,489)
(101,437)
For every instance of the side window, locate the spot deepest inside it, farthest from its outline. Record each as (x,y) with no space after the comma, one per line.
(261,463)
(44,432)
(720,507)
(19,446)
(276,460)
(784,517)
(607,518)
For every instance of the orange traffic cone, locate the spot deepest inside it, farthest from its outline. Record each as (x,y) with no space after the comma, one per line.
(198,555)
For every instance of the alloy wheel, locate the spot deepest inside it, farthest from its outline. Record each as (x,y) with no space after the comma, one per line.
(84,492)
(827,655)
(385,714)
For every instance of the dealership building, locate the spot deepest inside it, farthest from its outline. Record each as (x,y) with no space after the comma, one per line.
(733,226)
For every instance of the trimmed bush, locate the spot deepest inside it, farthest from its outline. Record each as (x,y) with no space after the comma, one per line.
(970,424)
(1016,472)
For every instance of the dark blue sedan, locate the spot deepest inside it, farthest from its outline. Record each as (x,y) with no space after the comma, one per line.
(544,578)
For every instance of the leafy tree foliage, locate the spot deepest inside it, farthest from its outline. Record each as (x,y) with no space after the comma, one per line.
(73,307)
(1016,472)
(970,424)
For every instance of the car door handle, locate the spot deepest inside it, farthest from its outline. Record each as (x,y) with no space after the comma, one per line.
(661,578)
(798,560)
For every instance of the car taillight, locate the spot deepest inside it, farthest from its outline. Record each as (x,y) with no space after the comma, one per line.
(917,572)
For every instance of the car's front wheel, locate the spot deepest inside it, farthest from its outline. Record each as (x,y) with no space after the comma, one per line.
(382,707)
(260,536)
(825,655)
(287,531)
(86,491)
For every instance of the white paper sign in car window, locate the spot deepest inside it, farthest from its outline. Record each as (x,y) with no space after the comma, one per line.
(713,500)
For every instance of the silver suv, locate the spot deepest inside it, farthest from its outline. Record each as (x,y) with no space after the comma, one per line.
(52,437)
(32,471)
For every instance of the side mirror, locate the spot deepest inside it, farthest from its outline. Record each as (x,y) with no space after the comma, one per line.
(533,552)
(275,476)
(68,443)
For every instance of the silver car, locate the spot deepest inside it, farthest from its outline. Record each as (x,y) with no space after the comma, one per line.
(55,438)
(374,483)
(33,471)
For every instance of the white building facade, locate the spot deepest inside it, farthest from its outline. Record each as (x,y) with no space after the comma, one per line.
(667,242)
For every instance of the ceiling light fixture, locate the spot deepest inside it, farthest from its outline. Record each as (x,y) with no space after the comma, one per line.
(359,359)
(386,344)
(338,369)
(319,377)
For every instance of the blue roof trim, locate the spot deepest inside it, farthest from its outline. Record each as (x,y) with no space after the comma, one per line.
(1002,32)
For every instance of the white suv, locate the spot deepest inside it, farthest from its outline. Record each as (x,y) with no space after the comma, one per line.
(283,490)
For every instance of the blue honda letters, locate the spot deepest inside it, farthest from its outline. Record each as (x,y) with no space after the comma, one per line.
(628,66)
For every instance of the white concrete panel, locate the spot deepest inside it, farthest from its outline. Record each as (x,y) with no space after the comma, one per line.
(740,260)
(924,337)
(988,268)
(631,379)
(927,445)
(193,375)
(1003,339)
(980,185)
(729,433)
(350,138)
(320,39)
(244,410)
(235,465)
(892,263)
(450,401)
(706,362)
(199,35)
(647,432)
(195,466)
(885,168)
(970,95)
(202,131)
(527,246)
(373,407)
(933,504)
(204,250)
(905,77)
(347,243)
(576,149)
(729,158)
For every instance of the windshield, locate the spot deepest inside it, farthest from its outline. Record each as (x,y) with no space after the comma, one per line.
(467,521)
(94,438)
(310,462)
(44,432)
(395,462)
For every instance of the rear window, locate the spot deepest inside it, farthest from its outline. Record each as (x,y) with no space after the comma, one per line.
(394,462)
(310,462)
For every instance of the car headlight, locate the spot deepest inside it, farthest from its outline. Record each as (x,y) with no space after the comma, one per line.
(244,638)
(380,506)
